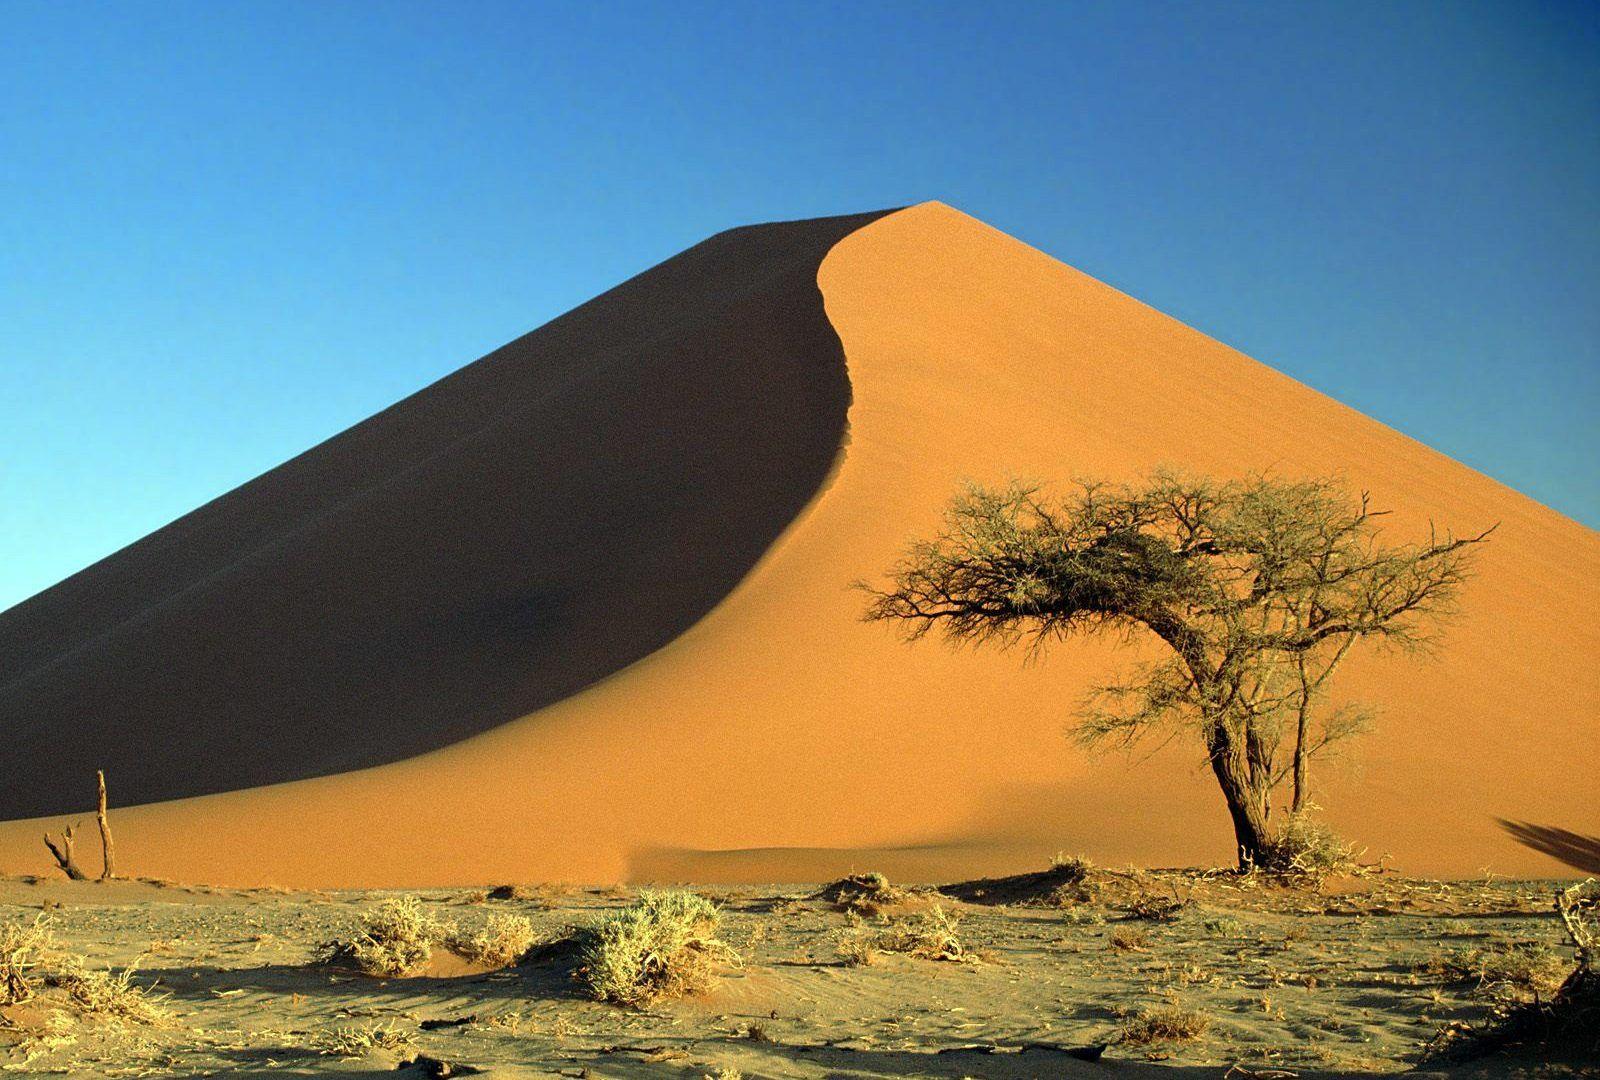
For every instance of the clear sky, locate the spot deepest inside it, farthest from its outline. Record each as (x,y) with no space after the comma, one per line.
(229,230)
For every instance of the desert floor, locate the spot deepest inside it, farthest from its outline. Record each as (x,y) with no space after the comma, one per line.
(1348,980)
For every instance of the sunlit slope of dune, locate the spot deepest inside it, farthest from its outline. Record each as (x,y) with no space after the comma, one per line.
(780,737)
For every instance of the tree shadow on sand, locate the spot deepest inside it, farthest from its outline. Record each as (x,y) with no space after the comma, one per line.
(1578,851)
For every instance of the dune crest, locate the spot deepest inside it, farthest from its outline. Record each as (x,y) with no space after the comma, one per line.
(779,721)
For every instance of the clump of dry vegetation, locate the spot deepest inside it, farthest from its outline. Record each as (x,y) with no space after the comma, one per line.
(1164,1023)
(1562,1027)
(1306,850)
(504,939)
(928,935)
(663,945)
(1155,907)
(24,949)
(21,946)
(110,993)
(1065,884)
(1514,971)
(864,894)
(394,939)
(1129,938)
(350,1041)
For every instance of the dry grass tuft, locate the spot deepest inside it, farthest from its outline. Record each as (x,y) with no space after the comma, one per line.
(1518,971)
(1166,1023)
(1066,884)
(394,939)
(111,993)
(354,1042)
(1154,907)
(928,935)
(504,940)
(21,946)
(1307,851)
(1129,938)
(864,894)
(663,945)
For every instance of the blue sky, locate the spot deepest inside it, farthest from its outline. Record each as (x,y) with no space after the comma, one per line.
(229,230)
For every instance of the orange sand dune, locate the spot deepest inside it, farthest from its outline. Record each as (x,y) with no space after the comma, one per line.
(626,528)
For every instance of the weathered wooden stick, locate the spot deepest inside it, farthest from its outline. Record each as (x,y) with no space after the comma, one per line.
(63,855)
(105,828)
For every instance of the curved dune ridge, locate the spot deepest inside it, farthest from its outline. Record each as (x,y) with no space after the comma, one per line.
(752,728)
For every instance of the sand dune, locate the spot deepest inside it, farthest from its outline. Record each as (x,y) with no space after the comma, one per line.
(589,600)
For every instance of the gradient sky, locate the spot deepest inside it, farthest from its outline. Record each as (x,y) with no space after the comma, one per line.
(230,230)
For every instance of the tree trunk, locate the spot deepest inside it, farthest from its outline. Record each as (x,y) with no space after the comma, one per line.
(1247,806)
(63,855)
(105,829)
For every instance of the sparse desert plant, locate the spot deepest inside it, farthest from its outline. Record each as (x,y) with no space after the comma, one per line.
(1306,849)
(1164,1023)
(503,940)
(21,946)
(1256,589)
(394,939)
(663,945)
(1514,971)
(1129,938)
(1154,907)
(350,1041)
(858,950)
(928,935)
(110,993)
(863,894)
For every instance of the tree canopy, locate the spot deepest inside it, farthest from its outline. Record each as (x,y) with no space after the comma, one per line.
(1259,588)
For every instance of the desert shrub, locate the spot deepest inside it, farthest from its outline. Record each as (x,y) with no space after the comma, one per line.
(1306,849)
(1166,1023)
(929,935)
(394,939)
(21,945)
(865,894)
(354,1042)
(110,993)
(1515,971)
(1064,885)
(858,950)
(1154,907)
(1129,938)
(663,945)
(1564,1027)
(503,940)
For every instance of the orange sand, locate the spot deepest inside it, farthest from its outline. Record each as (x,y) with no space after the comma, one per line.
(779,737)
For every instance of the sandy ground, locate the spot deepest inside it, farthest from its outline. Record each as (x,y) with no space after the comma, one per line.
(1301,983)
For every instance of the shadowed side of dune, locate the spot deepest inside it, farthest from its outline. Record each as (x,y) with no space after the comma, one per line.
(503,538)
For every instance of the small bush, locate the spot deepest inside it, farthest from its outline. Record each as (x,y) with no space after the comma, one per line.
(928,935)
(864,894)
(664,945)
(354,1042)
(857,950)
(394,939)
(1129,938)
(21,945)
(1307,850)
(1168,1023)
(110,993)
(1153,907)
(1516,971)
(504,940)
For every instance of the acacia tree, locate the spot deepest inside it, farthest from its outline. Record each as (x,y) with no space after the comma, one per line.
(1258,589)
